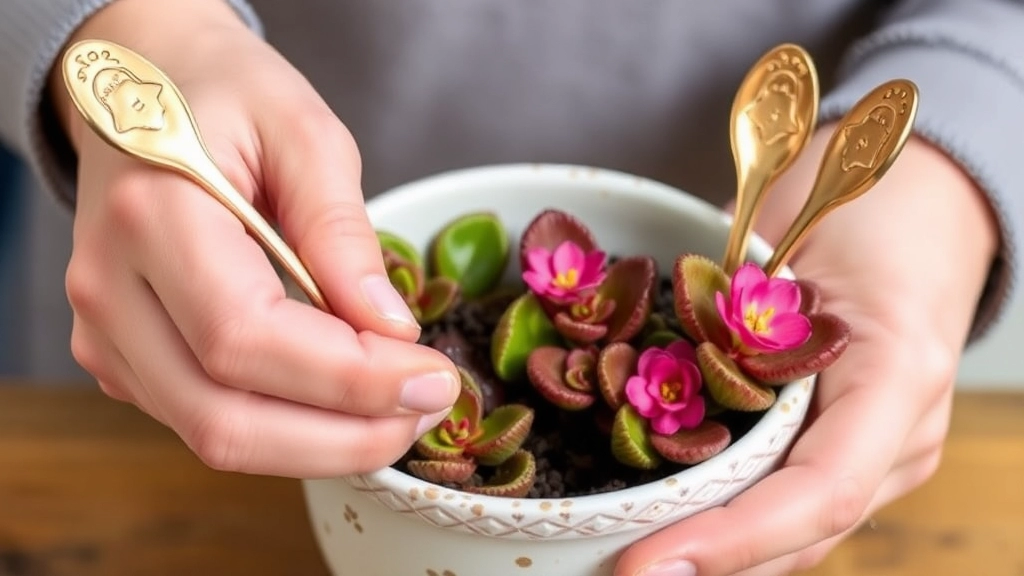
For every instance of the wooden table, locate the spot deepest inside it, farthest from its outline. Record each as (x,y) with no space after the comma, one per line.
(91,487)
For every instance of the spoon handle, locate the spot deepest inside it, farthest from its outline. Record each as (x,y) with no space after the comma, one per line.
(772,119)
(136,108)
(865,144)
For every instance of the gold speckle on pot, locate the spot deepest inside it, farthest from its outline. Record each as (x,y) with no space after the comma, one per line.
(545,506)
(566,503)
(477,510)
(784,407)
(414,493)
(524,562)
(431,493)
(671,481)
(516,504)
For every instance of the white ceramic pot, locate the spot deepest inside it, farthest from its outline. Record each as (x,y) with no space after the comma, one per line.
(391,524)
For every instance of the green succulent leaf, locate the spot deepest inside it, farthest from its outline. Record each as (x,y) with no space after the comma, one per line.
(473,251)
(659,338)
(830,336)
(631,442)
(439,295)
(504,431)
(630,284)
(695,281)
(513,479)
(549,229)
(401,247)
(728,385)
(616,363)
(576,331)
(442,471)
(523,327)
(545,368)
(406,278)
(693,446)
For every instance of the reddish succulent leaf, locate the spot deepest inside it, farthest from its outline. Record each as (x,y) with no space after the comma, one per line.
(549,229)
(693,446)
(829,337)
(630,284)
(728,385)
(545,368)
(469,404)
(442,471)
(695,281)
(581,369)
(631,442)
(615,365)
(513,479)
(504,431)
(576,331)
(810,297)
(440,295)
(406,278)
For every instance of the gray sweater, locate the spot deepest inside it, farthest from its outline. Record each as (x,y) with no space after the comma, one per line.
(642,86)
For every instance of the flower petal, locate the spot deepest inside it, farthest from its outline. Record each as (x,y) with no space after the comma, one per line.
(748,275)
(567,256)
(693,414)
(636,393)
(790,330)
(666,423)
(539,260)
(643,365)
(783,295)
(539,282)
(682,351)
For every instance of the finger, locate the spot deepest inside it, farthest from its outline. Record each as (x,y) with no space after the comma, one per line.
(231,308)
(237,430)
(97,356)
(826,484)
(312,171)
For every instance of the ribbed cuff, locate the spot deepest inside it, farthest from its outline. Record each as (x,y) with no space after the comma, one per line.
(970,107)
(35,33)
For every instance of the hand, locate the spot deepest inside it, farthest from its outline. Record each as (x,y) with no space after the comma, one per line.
(179,312)
(904,265)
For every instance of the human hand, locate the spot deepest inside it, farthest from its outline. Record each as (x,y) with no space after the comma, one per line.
(905,266)
(179,312)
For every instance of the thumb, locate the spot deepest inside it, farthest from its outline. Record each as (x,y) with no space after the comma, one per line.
(312,173)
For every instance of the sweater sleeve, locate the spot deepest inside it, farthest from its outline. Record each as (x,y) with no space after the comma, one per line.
(32,34)
(967,58)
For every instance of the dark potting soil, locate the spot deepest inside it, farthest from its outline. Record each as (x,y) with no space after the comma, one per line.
(572,449)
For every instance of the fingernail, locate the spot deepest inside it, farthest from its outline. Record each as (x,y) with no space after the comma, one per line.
(385,300)
(428,393)
(671,568)
(429,421)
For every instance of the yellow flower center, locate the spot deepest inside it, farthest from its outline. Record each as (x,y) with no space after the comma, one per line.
(568,279)
(670,391)
(758,321)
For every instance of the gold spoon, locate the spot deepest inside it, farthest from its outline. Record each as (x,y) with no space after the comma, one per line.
(136,108)
(863,147)
(772,119)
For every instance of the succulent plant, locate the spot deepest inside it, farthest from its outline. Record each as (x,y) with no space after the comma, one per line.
(753,332)
(452,451)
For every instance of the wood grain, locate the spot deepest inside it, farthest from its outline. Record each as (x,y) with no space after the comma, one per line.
(91,487)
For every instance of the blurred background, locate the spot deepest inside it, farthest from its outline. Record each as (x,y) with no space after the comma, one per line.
(32,265)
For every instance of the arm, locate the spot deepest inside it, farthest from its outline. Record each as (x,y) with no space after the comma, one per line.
(906,265)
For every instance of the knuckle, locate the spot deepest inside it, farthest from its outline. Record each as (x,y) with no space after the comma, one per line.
(87,354)
(130,203)
(220,349)
(846,506)
(84,288)
(221,440)
(340,220)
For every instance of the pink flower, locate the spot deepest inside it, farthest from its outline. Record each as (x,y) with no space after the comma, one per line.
(666,389)
(564,275)
(763,313)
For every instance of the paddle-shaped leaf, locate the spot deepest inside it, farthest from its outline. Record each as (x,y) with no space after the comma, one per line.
(695,281)
(631,442)
(473,251)
(693,446)
(523,327)
(830,336)
(513,479)
(728,385)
